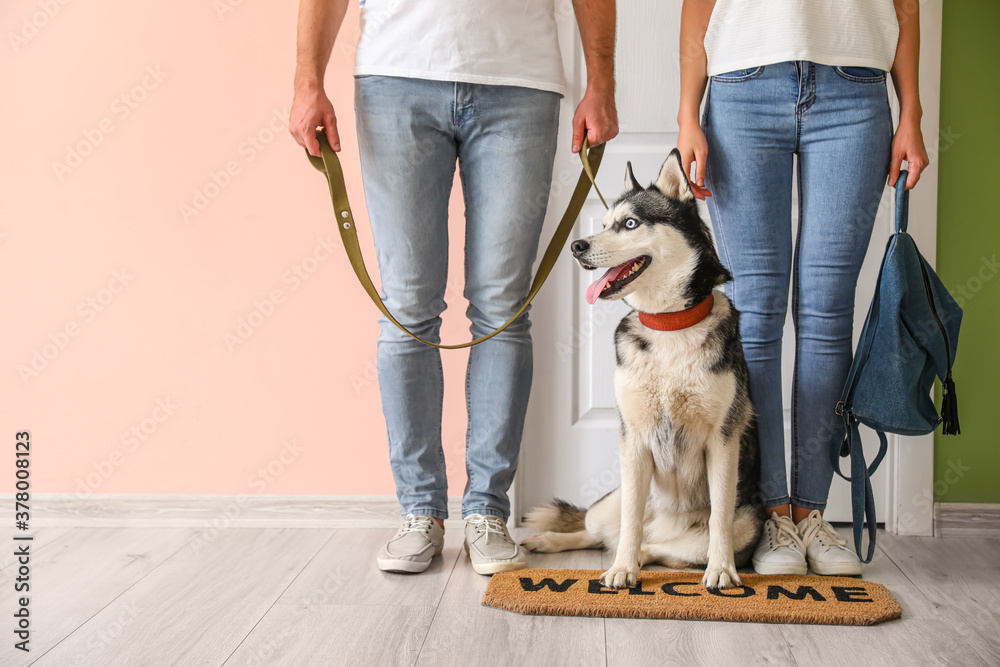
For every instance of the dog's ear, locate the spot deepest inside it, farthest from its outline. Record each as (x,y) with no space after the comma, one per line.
(724,277)
(672,180)
(630,182)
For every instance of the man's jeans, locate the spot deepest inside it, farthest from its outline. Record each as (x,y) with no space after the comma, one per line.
(411,133)
(837,121)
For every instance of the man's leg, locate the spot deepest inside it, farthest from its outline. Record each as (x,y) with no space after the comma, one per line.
(506,151)
(408,158)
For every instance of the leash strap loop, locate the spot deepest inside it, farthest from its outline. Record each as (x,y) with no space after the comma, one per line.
(329,164)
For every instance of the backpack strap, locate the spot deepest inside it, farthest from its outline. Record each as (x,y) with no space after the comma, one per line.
(862,497)
(902,201)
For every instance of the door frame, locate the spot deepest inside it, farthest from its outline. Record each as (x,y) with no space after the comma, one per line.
(912,463)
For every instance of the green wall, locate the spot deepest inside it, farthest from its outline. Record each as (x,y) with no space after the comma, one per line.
(966,467)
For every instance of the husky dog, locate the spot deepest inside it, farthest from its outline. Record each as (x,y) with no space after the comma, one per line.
(688,435)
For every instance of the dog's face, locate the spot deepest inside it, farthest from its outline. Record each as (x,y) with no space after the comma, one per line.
(659,251)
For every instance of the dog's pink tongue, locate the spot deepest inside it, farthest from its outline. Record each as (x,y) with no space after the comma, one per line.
(596,287)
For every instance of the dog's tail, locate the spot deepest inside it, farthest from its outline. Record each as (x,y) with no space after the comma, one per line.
(558,516)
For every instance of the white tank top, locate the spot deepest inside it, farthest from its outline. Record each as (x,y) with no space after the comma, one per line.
(749,33)
(506,42)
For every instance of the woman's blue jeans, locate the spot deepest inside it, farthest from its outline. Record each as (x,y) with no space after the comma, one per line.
(411,133)
(836,120)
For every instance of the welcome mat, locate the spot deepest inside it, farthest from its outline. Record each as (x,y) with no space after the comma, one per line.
(659,594)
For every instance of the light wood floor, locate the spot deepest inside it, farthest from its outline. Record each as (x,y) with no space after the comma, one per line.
(313,596)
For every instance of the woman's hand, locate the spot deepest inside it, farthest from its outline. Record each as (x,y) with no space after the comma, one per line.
(908,144)
(693,148)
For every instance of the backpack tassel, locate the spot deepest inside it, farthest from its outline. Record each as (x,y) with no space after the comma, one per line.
(949,408)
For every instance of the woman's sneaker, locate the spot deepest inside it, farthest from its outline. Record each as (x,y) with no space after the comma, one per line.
(779,551)
(826,551)
(489,545)
(417,541)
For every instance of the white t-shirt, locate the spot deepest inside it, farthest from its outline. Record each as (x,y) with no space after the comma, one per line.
(750,33)
(503,42)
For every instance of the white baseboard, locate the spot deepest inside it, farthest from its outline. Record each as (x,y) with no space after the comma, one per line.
(967,520)
(375,511)
(207,510)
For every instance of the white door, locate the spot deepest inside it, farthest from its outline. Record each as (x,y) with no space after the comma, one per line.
(570,442)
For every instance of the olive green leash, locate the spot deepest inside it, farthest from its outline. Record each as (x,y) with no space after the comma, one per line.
(329,164)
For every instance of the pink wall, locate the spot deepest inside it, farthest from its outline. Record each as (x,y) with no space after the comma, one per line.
(117,300)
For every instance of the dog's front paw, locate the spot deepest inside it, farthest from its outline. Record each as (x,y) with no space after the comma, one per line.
(621,576)
(721,576)
(540,542)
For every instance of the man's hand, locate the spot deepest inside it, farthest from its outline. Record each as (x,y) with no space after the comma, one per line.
(596,115)
(693,147)
(310,109)
(908,144)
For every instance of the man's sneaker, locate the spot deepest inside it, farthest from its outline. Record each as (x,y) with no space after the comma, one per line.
(489,545)
(419,539)
(826,550)
(780,551)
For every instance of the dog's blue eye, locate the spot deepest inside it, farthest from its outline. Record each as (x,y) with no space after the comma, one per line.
(631,224)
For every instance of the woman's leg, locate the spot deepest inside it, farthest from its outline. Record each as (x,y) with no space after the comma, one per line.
(844,149)
(408,159)
(749,124)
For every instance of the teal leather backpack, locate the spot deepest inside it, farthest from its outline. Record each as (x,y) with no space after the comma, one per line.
(909,338)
